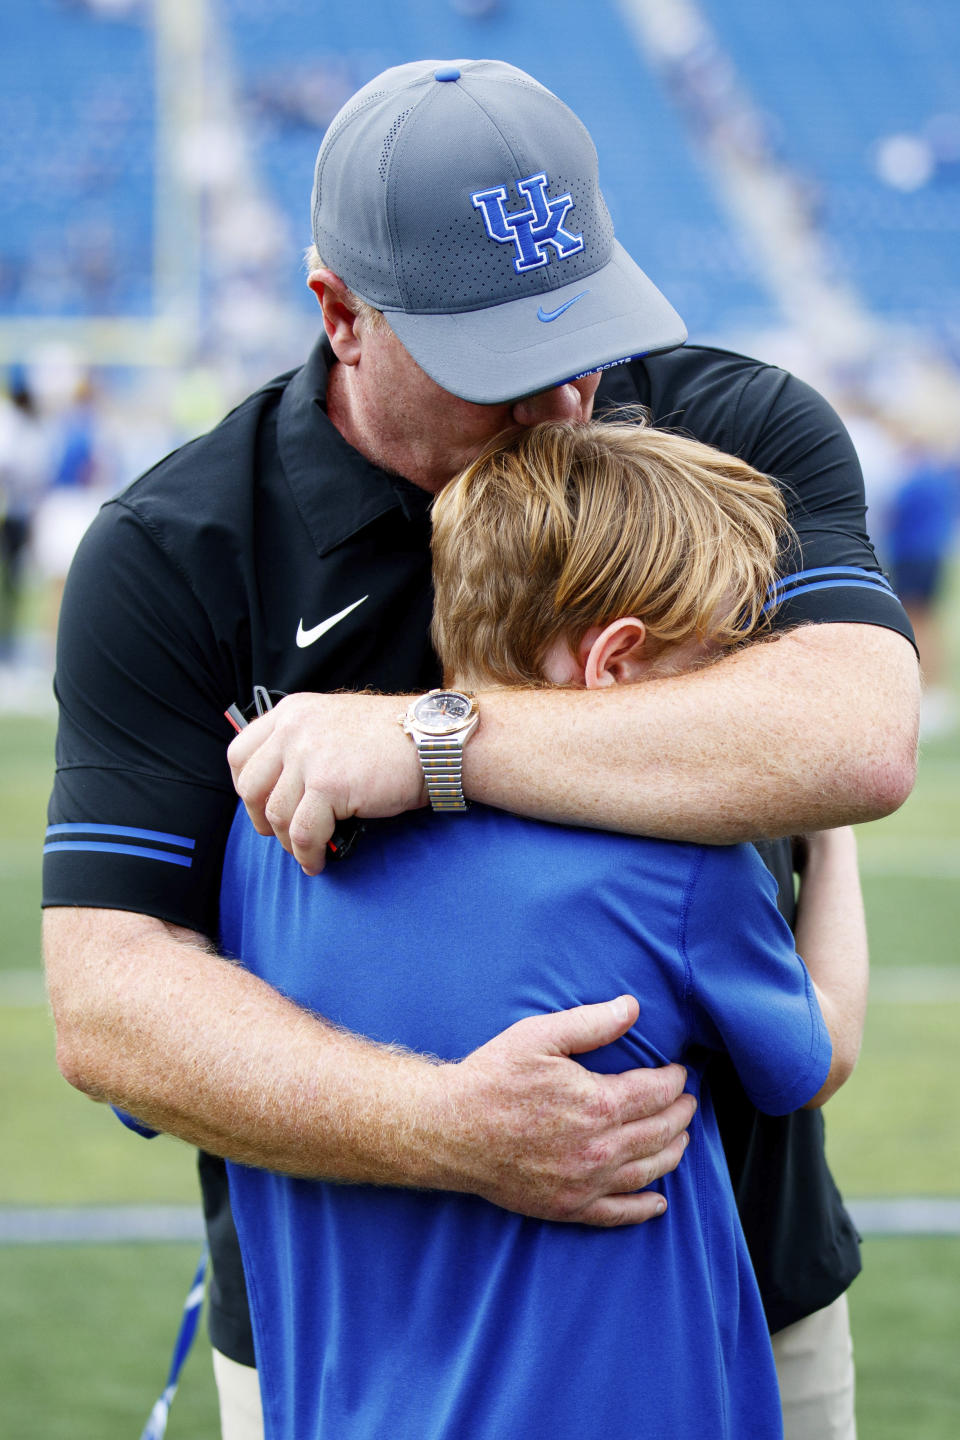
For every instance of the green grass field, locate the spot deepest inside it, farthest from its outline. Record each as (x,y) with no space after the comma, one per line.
(87,1330)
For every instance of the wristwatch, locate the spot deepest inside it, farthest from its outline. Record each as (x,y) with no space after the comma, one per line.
(440,724)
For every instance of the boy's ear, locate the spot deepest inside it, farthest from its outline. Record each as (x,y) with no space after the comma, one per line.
(616,655)
(339,320)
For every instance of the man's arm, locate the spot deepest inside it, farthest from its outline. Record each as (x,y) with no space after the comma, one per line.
(149,1019)
(812,729)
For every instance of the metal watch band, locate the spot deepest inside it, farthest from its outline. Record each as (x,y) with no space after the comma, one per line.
(442,762)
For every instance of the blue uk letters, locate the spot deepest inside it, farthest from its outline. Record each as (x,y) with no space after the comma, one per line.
(533,229)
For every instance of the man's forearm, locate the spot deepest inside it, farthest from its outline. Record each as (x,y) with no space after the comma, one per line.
(151,1020)
(203,1050)
(813,729)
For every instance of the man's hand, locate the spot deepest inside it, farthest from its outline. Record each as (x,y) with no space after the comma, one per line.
(535,1132)
(317,759)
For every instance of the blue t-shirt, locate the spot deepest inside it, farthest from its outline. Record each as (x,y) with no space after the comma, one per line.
(437,1316)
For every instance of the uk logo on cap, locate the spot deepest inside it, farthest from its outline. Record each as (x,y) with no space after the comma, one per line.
(533,229)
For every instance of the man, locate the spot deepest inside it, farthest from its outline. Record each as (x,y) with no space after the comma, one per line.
(591,555)
(289,550)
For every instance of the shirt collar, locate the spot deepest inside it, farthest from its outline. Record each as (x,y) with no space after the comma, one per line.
(337,490)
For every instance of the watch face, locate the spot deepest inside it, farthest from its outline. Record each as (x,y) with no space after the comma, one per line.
(442,711)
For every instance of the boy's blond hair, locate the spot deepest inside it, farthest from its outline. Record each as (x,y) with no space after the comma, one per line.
(563,527)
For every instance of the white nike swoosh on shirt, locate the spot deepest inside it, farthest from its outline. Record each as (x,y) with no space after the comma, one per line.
(307,637)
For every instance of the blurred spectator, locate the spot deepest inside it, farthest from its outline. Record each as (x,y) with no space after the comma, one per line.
(25,465)
(307,95)
(881,459)
(918,543)
(105,9)
(80,482)
(912,484)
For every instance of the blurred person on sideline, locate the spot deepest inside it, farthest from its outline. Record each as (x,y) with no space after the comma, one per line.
(26,456)
(81,482)
(469,284)
(586,556)
(912,485)
(918,542)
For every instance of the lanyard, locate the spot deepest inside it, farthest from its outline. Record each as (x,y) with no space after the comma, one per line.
(156,1426)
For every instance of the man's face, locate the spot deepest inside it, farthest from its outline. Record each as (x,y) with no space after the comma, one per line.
(413,427)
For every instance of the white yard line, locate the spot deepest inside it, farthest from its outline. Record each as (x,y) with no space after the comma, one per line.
(906,1216)
(99,1224)
(162,1224)
(945,866)
(915,985)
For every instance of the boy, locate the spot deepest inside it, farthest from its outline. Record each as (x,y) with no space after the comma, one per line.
(588,555)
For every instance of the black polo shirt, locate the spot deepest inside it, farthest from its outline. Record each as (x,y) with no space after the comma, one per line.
(200,581)
(217,571)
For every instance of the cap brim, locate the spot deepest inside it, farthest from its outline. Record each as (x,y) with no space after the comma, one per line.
(520,347)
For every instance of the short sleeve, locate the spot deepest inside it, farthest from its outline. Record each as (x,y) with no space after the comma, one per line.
(748,991)
(142,800)
(788,431)
(785,429)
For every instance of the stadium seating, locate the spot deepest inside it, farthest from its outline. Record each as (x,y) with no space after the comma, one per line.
(837,82)
(77,131)
(664,208)
(834,84)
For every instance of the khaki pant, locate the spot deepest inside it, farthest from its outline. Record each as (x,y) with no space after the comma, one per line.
(814,1361)
(241,1417)
(814,1365)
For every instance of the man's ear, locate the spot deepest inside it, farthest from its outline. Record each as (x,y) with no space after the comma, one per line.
(616,655)
(339,320)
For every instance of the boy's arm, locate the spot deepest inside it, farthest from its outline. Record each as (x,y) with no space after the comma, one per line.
(831,937)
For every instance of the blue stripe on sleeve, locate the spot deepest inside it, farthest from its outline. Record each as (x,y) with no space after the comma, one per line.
(166,856)
(854,572)
(795,587)
(131,831)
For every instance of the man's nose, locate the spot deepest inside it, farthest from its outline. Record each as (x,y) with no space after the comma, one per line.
(573,401)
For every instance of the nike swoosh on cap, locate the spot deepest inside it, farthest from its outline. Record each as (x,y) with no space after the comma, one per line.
(307,637)
(547,315)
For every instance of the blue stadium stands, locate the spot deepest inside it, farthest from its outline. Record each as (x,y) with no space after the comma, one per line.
(833,83)
(77,122)
(663,206)
(836,81)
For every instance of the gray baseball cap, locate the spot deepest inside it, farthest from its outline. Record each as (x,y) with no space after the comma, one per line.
(461,198)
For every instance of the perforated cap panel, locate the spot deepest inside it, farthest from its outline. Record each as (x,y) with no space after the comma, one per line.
(453,204)
(393,208)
